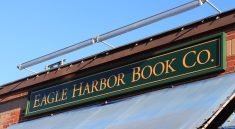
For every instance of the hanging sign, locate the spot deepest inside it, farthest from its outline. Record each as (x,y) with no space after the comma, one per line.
(192,59)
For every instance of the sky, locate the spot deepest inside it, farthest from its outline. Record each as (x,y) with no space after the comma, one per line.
(30,29)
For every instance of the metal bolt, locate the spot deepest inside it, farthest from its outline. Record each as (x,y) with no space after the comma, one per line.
(106,102)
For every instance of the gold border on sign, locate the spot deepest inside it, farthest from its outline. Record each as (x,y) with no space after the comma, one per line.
(211,41)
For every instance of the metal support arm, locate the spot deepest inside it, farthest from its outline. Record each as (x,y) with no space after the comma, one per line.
(212,5)
(116,32)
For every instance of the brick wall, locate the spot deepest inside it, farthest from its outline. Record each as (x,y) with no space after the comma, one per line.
(10,117)
(230,52)
(11,108)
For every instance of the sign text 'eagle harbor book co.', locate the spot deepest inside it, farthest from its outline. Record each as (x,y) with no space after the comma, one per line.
(189,60)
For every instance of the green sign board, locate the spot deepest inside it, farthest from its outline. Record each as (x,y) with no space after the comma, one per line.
(199,57)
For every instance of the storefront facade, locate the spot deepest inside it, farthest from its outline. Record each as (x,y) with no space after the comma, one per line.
(181,78)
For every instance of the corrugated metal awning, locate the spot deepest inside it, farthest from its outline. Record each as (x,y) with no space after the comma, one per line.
(183,107)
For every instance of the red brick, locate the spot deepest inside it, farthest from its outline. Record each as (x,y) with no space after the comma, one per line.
(9,121)
(229,47)
(230,58)
(231,32)
(16,120)
(233,46)
(230,37)
(231,63)
(229,69)
(5,126)
(13,113)
(9,118)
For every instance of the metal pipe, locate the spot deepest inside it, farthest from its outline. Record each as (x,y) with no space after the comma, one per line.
(150,20)
(212,5)
(107,44)
(55,54)
(31,70)
(116,32)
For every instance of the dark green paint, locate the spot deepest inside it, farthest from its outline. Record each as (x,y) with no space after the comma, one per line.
(215,44)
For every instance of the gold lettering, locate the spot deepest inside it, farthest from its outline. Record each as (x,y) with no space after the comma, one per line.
(44,100)
(87,88)
(185,58)
(36,100)
(155,70)
(168,65)
(114,81)
(57,99)
(75,89)
(136,73)
(49,99)
(149,74)
(199,55)
(120,79)
(94,86)
(64,94)
(102,83)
